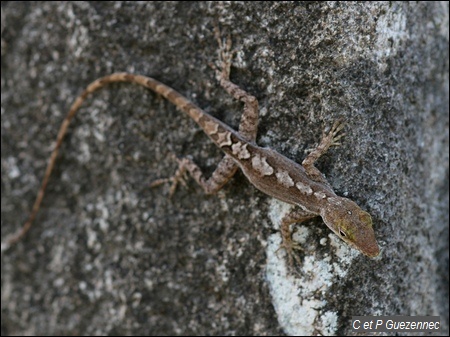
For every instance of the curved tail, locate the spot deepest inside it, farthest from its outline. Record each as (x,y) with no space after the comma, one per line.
(171,95)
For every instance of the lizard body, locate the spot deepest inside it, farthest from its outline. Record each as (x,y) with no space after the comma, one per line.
(269,171)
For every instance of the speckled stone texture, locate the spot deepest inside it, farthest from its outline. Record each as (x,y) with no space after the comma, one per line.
(110,256)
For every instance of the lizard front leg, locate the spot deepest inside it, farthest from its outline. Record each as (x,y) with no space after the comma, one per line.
(328,139)
(295,216)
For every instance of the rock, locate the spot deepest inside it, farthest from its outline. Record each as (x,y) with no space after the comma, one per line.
(109,255)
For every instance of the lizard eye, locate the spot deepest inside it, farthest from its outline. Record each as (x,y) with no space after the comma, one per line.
(341,233)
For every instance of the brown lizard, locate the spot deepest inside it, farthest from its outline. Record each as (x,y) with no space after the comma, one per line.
(269,171)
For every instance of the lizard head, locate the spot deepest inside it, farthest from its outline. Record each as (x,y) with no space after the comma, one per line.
(351,224)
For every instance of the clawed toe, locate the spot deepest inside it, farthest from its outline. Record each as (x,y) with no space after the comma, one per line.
(334,134)
(225,55)
(290,248)
(178,177)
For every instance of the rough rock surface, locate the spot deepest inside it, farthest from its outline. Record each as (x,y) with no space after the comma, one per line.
(110,256)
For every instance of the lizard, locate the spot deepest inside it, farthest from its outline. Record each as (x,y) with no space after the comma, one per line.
(272,173)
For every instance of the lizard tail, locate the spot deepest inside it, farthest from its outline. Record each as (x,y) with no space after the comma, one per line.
(148,82)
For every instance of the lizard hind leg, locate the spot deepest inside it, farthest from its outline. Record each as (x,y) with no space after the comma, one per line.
(178,177)
(223,172)
(225,54)
(248,126)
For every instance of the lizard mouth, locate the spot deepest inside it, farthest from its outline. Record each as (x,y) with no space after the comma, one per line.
(371,250)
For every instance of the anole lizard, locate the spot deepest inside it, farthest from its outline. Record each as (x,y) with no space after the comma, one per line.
(269,171)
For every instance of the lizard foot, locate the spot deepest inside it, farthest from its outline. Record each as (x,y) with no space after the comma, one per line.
(225,55)
(290,247)
(178,177)
(334,134)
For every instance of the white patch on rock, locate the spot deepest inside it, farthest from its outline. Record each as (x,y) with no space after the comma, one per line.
(392,31)
(299,300)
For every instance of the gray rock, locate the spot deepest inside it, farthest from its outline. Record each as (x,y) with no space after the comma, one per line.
(109,255)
